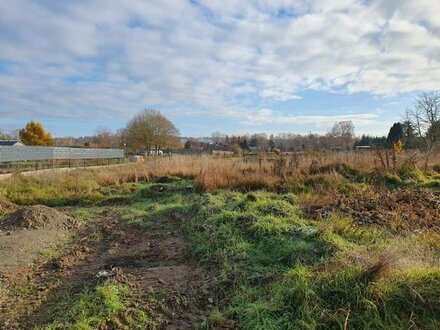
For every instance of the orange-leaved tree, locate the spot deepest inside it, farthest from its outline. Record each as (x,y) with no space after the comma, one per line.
(34,134)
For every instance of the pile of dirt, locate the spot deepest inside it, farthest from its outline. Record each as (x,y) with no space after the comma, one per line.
(6,206)
(399,209)
(37,216)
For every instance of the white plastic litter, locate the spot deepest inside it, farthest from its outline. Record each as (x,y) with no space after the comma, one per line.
(106,273)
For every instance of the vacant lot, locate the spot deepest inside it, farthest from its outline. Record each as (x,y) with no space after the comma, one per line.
(310,241)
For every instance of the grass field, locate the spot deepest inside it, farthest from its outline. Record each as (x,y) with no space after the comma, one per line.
(310,241)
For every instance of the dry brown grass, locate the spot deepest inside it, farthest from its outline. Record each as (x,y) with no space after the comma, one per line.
(263,171)
(323,172)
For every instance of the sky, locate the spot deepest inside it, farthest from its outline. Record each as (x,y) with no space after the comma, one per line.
(238,67)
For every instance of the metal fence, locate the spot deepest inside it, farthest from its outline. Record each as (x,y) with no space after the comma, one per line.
(23,153)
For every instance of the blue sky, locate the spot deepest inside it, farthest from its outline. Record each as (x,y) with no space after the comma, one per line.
(232,66)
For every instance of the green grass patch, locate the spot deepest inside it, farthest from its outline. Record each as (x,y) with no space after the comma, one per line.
(103,307)
(280,271)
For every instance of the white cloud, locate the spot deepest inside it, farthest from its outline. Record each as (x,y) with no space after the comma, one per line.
(267,116)
(67,58)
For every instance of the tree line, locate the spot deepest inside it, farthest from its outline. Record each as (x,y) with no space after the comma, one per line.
(419,129)
(150,130)
(147,131)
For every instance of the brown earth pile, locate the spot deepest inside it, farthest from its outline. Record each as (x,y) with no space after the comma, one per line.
(37,216)
(398,209)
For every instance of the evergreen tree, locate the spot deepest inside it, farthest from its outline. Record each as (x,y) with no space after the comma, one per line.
(395,134)
(244,143)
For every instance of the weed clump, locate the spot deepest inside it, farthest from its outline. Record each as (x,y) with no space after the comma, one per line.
(251,197)
(103,307)
(6,206)
(392,179)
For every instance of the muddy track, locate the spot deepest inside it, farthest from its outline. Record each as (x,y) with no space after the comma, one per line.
(152,260)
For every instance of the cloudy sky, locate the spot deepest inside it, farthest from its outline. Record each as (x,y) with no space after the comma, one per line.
(216,65)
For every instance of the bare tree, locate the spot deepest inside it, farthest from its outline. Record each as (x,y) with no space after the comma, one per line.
(218,137)
(424,117)
(104,138)
(122,136)
(65,141)
(3,135)
(342,134)
(150,129)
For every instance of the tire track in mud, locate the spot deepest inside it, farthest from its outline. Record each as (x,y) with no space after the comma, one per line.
(152,261)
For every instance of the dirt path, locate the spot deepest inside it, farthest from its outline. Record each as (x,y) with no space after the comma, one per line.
(53,170)
(151,258)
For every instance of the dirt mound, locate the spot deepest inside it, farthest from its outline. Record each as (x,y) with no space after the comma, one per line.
(6,207)
(397,209)
(37,216)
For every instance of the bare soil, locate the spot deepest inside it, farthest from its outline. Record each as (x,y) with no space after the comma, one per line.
(400,209)
(150,259)
(21,248)
(27,232)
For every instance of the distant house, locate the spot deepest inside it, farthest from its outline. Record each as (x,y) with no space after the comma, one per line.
(11,143)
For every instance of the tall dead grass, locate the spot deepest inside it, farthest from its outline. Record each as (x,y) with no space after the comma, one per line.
(263,171)
(271,172)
